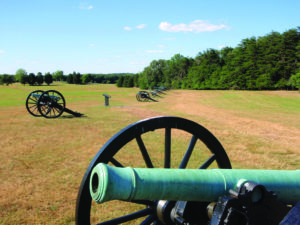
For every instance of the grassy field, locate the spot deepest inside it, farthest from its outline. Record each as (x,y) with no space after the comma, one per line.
(42,161)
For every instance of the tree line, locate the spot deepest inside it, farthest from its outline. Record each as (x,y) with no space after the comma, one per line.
(73,78)
(270,62)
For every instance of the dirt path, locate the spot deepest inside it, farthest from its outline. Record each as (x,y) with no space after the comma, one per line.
(269,138)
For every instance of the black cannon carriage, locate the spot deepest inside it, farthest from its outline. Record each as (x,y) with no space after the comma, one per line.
(146,96)
(49,104)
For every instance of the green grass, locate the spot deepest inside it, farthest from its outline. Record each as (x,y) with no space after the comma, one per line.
(42,161)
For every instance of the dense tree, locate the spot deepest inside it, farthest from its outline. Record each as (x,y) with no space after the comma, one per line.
(31,79)
(70,79)
(86,78)
(48,78)
(39,78)
(7,79)
(128,81)
(120,81)
(176,71)
(136,80)
(24,79)
(153,74)
(295,81)
(268,62)
(20,72)
(58,75)
(76,78)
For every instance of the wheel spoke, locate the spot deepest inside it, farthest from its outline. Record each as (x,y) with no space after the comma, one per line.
(56,109)
(116,162)
(148,220)
(144,151)
(208,162)
(167,148)
(188,153)
(34,109)
(44,108)
(128,217)
(53,110)
(32,106)
(33,99)
(49,111)
(109,154)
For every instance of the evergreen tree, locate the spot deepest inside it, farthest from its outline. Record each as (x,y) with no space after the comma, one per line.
(48,78)
(31,79)
(39,78)
(76,78)
(23,79)
(70,79)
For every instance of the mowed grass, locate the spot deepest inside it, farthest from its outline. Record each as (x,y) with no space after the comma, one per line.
(42,161)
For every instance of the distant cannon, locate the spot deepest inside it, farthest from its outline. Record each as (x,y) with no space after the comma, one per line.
(202,195)
(155,94)
(144,96)
(160,90)
(49,104)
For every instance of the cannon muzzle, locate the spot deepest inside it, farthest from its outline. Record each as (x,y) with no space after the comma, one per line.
(114,183)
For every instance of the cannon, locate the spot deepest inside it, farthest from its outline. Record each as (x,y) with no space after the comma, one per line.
(49,104)
(211,193)
(160,90)
(155,94)
(144,96)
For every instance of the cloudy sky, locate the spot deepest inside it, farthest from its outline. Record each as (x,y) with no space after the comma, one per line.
(112,36)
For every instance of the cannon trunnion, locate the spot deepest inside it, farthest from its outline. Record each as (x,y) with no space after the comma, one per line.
(203,195)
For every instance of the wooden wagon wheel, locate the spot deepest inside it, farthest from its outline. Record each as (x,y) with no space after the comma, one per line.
(138,96)
(133,132)
(32,102)
(51,104)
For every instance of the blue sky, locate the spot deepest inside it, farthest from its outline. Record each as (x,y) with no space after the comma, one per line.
(112,36)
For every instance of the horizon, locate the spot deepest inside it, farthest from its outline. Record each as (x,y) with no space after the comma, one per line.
(124,37)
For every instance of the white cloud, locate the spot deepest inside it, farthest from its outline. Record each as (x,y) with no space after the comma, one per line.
(141,26)
(85,6)
(221,46)
(127,28)
(155,51)
(2,51)
(118,56)
(196,26)
(92,45)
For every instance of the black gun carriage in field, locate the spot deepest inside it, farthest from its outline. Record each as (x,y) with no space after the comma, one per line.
(49,104)
(151,95)
(146,96)
(185,196)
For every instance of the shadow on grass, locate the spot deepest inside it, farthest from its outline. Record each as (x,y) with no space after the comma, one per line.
(71,116)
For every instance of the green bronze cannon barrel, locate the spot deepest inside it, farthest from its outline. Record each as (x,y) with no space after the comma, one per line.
(111,183)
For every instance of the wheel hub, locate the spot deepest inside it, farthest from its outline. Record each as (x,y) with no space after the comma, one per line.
(163,210)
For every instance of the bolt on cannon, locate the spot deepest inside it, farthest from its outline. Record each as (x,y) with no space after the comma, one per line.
(203,195)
